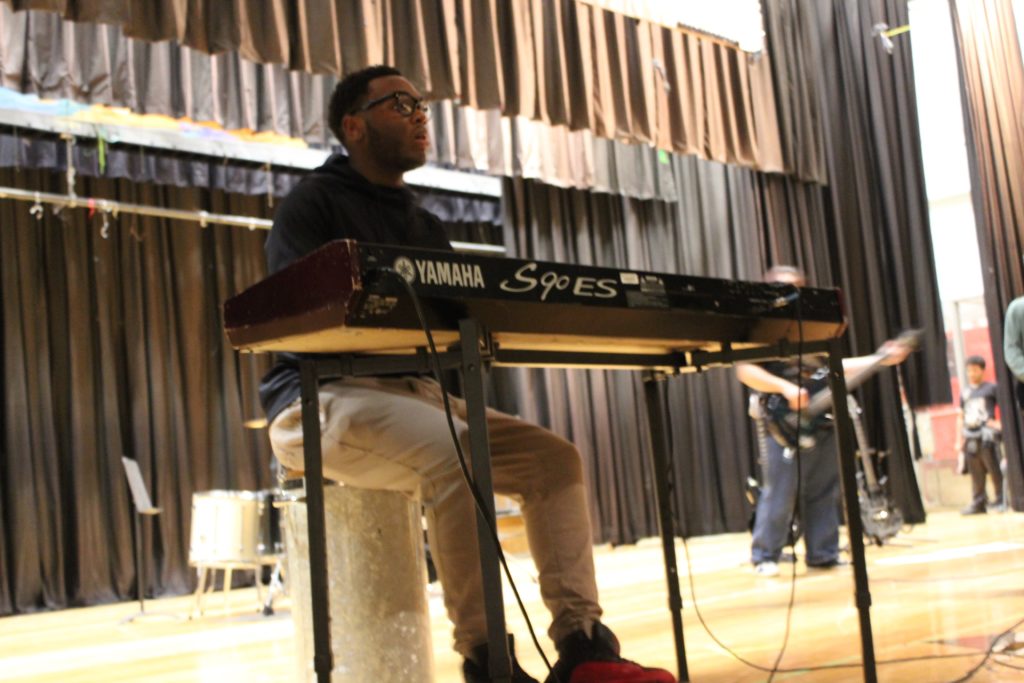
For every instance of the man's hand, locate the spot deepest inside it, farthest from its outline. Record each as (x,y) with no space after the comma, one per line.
(796,396)
(895,352)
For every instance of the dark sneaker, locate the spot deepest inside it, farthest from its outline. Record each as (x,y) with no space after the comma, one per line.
(474,669)
(596,660)
(973,510)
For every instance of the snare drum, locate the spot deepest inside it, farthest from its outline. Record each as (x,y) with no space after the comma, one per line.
(234,528)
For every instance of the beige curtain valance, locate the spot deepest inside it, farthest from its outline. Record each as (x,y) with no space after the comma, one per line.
(559,62)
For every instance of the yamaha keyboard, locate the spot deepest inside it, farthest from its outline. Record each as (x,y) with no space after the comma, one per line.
(349,298)
(345,298)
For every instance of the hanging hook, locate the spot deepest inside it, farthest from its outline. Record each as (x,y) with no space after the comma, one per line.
(37,209)
(105,230)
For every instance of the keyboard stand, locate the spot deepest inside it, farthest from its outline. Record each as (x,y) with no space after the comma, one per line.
(473,354)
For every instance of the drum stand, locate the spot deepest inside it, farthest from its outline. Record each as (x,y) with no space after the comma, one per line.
(274,587)
(234,530)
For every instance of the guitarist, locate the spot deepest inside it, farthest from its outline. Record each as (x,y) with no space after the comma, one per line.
(818,466)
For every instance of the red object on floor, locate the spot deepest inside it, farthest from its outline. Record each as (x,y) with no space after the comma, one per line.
(618,672)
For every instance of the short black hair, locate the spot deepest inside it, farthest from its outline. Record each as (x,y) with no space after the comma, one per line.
(975,360)
(350,90)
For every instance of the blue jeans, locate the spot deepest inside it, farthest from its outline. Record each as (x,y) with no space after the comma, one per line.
(819,502)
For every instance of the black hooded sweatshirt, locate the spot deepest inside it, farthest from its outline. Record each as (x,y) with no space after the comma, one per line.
(336,202)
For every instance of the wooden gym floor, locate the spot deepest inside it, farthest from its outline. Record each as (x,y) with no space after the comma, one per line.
(941,592)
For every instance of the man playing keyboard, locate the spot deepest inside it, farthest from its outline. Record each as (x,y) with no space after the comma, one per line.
(391,433)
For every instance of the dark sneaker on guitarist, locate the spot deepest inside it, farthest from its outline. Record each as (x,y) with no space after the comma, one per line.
(583,659)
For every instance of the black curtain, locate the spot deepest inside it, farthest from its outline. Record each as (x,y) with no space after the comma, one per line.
(846,109)
(471,217)
(113,346)
(991,76)
(731,223)
(882,254)
(866,232)
(844,94)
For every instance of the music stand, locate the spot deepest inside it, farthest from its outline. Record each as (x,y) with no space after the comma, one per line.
(143,506)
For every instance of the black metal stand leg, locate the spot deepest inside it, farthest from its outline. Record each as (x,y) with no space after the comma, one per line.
(848,479)
(499,666)
(662,472)
(140,563)
(323,660)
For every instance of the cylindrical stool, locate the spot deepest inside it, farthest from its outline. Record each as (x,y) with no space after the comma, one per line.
(380,623)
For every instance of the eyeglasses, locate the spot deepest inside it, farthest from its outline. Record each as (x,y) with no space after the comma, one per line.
(404,103)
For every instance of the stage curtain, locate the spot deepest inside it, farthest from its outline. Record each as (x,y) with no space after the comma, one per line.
(270,66)
(93,63)
(729,223)
(113,346)
(44,151)
(992,86)
(866,232)
(883,255)
(789,38)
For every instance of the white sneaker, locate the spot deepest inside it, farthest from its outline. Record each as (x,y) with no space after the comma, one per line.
(766,569)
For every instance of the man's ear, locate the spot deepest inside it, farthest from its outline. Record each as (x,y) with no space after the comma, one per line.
(353,127)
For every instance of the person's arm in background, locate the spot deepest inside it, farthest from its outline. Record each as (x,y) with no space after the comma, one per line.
(1013,338)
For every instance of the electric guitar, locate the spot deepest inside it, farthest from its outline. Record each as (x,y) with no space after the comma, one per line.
(790,428)
(880,517)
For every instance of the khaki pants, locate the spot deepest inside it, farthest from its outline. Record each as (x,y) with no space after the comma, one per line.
(392,434)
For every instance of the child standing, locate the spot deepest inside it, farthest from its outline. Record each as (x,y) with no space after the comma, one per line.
(978,433)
